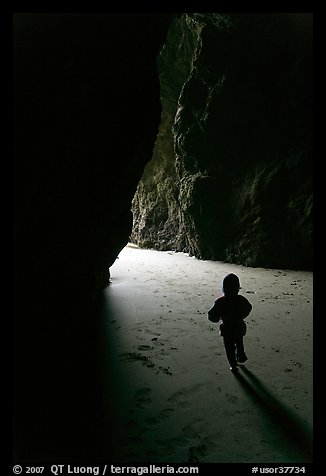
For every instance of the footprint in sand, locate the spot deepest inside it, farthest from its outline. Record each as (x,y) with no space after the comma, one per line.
(298,364)
(160,353)
(179,399)
(231,398)
(152,421)
(166,413)
(157,343)
(196,453)
(142,397)
(205,358)
(144,347)
(163,415)
(133,357)
(194,429)
(164,370)
(152,333)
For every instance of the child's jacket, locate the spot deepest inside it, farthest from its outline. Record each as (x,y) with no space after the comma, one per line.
(231,310)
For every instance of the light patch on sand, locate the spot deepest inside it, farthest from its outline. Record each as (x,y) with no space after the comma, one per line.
(179,402)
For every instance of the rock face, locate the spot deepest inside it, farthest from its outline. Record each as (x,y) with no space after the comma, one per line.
(86,115)
(231,174)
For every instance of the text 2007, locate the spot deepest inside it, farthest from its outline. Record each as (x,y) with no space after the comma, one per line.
(34,469)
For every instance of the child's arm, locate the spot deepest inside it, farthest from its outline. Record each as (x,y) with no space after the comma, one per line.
(246,307)
(213,313)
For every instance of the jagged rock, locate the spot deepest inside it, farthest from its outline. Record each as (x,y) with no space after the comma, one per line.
(231,175)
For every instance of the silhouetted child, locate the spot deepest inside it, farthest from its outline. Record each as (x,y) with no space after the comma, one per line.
(231,309)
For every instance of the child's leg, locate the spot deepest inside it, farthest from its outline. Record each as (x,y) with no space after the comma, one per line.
(241,355)
(229,345)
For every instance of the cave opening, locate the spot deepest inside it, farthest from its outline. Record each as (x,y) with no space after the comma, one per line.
(120,372)
(230,176)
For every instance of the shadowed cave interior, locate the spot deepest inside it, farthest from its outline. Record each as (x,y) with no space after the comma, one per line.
(201,124)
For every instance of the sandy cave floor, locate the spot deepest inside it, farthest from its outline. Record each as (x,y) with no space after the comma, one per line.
(176,399)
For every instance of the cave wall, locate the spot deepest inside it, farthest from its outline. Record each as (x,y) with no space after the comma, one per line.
(86,115)
(155,206)
(231,174)
(86,111)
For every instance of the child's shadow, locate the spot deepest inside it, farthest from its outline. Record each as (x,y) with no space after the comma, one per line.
(294,431)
